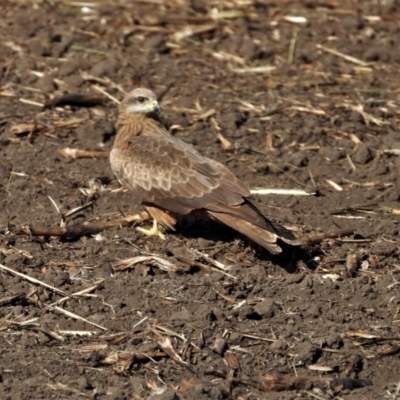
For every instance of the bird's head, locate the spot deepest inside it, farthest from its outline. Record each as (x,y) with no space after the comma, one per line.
(142,101)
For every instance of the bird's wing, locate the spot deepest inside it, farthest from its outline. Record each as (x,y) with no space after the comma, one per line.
(170,174)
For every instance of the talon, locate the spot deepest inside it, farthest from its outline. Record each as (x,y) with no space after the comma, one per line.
(154,231)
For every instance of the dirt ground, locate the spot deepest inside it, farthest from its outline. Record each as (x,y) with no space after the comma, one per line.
(303,95)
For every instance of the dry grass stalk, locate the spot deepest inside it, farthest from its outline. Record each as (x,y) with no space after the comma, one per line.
(80,230)
(21,129)
(206,268)
(76,333)
(255,70)
(78,294)
(368,118)
(67,152)
(166,345)
(4,301)
(148,259)
(76,316)
(102,91)
(34,280)
(31,102)
(225,143)
(314,239)
(160,330)
(294,19)
(203,116)
(271,383)
(393,152)
(341,55)
(61,387)
(320,368)
(213,262)
(309,109)
(285,192)
(191,30)
(334,185)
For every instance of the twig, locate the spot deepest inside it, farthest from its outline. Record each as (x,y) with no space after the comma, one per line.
(11,299)
(33,280)
(255,70)
(392,152)
(314,239)
(286,192)
(164,265)
(31,102)
(67,152)
(80,230)
(166,345)
(76,316)
(341,55)
(334,185)
(80,293)
(102,91)
(282,383)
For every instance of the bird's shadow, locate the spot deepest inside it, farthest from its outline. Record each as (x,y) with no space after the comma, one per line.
(288,259)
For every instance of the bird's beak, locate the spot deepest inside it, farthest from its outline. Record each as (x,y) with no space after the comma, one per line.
(156,106)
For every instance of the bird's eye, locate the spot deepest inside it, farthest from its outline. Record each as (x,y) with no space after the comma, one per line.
(141,99)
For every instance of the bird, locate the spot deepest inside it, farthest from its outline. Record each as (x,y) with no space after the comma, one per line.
(172,179)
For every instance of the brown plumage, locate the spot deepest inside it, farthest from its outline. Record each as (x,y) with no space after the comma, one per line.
(172,178)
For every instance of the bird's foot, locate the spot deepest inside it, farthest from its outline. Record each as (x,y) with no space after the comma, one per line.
(154,231)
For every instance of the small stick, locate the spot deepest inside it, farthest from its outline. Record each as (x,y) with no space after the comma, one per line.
(31,102)
(255,70)
(341,55)
(67,152)
(165,91)
(81,230)
(76,316)
(89,50)
(271,383)
(314,239)
(352,166)
(286,192)
(11,299)
(393,152)
(102,91)
(80,293)
(33,280)
(334,185)
(292,46)
(166,345)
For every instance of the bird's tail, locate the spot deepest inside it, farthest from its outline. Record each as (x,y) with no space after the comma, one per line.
(265,238)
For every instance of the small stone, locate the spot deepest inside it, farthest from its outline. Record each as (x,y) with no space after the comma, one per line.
(298,160)
(180,316)
(68,68)
(74,80)
(265,309)
(278,347)
(46,84)
(82,383)
(363,154)
(295,278)
(219,345)
(105,68)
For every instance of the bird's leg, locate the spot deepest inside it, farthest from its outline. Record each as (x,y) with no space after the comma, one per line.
(154,231)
